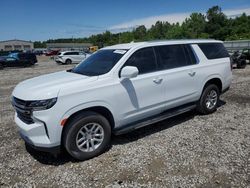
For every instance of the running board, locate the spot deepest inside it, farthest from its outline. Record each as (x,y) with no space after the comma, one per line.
(151,120)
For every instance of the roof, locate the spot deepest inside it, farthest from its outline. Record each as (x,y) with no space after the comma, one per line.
(68,45)
(159,42)
(16,40)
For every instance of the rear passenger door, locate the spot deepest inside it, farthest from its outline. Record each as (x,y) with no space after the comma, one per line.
(179,65)
(81,56)
(75,56)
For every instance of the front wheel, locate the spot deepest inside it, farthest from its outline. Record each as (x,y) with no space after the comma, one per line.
(209,100)
(68,61)
(87,135)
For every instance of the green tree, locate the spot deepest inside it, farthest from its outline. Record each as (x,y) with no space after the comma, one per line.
(140,33)
(194,26)
(216,25)
(175,32)
(39,44)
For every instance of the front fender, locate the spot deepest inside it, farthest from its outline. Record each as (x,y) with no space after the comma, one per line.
(83,106)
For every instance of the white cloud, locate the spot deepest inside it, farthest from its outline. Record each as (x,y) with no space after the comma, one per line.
(236,12)
(171,18)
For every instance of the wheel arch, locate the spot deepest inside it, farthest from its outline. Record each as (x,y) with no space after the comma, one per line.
(66,59)
(104,111)
(214,80)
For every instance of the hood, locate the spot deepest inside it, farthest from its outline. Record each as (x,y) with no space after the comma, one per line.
(48,86)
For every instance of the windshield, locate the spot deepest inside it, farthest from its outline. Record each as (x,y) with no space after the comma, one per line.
(99,63)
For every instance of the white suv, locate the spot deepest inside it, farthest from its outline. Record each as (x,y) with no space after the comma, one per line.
(69,57)
(118,89)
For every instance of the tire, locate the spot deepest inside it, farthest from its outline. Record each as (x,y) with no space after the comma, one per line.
(241,64)
(68,61)
(74,130)
(203,106)
(1,66)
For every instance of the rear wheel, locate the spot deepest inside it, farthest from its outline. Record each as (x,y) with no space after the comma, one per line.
(68,61)
(209,99)
(87,135)
(1,66)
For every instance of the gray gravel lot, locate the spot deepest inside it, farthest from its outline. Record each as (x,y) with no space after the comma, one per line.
(185,151)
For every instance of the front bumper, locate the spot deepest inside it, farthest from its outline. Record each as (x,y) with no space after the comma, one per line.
(35,134)
(53,150)
(59,60)
(41,129)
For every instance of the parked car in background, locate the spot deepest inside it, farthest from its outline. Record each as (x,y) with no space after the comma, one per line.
(238,59)
(52,52)
(118,89)
(38,52)
(69,57)
(24,56)
(14,62)
(246,52)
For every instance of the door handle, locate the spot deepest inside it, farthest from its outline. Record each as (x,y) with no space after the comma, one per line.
(157,80)
(191,73)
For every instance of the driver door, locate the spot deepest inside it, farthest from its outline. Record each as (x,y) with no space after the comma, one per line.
(142,96)
(11,62)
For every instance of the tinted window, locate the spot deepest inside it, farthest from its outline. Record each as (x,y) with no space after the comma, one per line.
(171,56)
(144,60)
(99,63)
(71,53)
(191,59)
(26,56)
(214,50)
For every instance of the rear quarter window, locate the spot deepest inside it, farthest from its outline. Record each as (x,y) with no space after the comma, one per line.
(214,50)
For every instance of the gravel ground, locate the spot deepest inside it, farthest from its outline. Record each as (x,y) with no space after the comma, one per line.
(189,150)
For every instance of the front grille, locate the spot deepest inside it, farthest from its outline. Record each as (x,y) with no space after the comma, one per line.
(19,101)
(25,119)
(23,112)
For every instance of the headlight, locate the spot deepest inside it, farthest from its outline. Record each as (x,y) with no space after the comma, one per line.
(42,104)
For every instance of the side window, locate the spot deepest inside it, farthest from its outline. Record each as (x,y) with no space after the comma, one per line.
(214,50)
(171,56)
(75,53)
(191,59)
(144,60)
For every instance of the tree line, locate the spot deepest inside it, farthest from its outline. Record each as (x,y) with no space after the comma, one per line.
(214,24)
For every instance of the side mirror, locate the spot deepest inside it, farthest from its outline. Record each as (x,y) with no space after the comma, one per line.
(129,72)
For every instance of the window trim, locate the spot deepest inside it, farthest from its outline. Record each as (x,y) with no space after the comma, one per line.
(155,61)
(198,44)
(185,54)
(188,50)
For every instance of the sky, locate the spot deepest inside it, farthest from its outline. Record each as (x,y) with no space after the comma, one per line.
(51,19)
